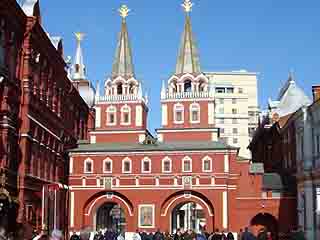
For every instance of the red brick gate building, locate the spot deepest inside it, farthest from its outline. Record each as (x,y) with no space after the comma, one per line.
(126,178)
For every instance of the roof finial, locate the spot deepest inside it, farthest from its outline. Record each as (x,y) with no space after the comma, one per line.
(291,75)
(124,11)
(79,36)
(187,5)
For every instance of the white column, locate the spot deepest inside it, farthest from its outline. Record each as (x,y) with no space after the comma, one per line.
(225,209)
(93,139)
(71,209)
(310,210)
(55,210)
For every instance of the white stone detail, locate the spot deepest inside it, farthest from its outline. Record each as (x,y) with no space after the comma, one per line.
(225,209)
(226,163)
(164,114)
(71,209)
(214,136)
(139,116)
(71,165)
(142,137)
(98,117)
(160,137)
(211,113)
(93,139)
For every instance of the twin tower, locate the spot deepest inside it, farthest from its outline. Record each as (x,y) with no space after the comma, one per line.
(187,101)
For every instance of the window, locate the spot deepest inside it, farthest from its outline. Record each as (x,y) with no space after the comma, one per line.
(187,164)
(131,88)
(251,114)
(88,166)
(187,86)
(195,113)
(234,111)
(222,130)
(221,110)
(230,90)
(126,165)
(125,115)
(119,89)
(224,140)
(235,130)
(240,90)
(107,165)
(234,120)
(206,164)
(318,144)
(178,113)
(202,86)
(235,141)
(146,165)
(251,131)
(220,90)
(221,120)
(166,165)
(221,101)
(234,101)
(111,115)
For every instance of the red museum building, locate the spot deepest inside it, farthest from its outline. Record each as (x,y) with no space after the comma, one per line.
(185,177)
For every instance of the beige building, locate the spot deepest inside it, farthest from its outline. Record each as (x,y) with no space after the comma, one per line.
(236,106)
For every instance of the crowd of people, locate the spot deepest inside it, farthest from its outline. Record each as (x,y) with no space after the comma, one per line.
(263,234)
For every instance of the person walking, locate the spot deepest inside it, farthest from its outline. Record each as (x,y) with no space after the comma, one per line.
(74,236)
(247,235)
(230,236)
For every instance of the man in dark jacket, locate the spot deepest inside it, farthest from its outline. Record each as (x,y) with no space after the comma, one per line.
(74,236)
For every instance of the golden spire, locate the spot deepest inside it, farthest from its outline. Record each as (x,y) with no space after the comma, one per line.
(79,36)
(124,11)
(187,5)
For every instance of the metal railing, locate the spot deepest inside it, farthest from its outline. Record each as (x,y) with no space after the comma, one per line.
(181,95)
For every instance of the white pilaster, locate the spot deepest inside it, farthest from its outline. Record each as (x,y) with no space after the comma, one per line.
(210,113)
(71,209)
(98,117)
(93,139)
(226,163)
(164,114)
(139,116)
(225,209)
(71,165)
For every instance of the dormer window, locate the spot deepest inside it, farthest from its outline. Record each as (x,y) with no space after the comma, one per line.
(187,86)
(119,89)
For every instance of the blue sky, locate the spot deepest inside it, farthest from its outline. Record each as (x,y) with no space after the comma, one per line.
(270,37)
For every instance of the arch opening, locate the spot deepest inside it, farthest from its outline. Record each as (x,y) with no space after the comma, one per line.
(111,216)
(188,215)
(187,86)
(265,222)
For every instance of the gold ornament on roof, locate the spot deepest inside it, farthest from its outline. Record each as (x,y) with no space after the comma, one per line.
(187,5)
(79,36)
(124,11)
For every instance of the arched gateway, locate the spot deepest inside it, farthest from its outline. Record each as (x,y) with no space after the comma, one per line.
(188,210)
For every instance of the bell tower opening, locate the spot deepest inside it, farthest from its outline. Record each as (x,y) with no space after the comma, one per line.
(119,89)
(187,86)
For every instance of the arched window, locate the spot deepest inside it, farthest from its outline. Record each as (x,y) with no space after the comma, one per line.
(146,165)
(119,89)
(166,165)
(126,165)
(131,88)
(202,86)
(111,116)
(195,113)
(125,115)
(186,164)
(107,165)
(88,166)
(187,86)
(206,164)
(178,112)
(174,87)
